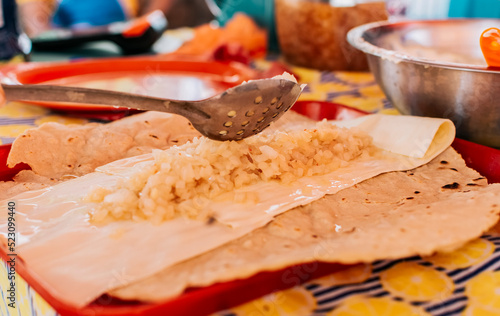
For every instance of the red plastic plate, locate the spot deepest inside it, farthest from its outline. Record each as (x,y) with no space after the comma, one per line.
(166,77)
(201,301)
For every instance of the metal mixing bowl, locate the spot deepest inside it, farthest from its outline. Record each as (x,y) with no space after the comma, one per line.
(435,68)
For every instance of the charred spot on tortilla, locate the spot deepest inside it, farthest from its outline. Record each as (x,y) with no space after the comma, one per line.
(453,185)
(417,192)
(454,169)
(154,136)
(210,220)
(410,198)
(472,184)
(350,231)
(444,162)
(480,178)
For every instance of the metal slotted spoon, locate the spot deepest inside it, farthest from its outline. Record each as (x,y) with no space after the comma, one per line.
(238,112)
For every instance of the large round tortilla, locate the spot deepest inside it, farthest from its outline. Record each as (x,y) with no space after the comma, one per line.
(436,207)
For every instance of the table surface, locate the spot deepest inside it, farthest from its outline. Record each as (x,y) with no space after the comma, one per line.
(357,290)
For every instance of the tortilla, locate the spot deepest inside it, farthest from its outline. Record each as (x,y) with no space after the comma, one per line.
(25,180)
(436,207)
(55,150)
(63,236)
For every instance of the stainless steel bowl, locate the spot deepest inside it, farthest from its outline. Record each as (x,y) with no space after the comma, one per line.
(435,68)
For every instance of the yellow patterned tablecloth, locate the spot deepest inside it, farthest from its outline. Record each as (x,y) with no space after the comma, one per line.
(465,282)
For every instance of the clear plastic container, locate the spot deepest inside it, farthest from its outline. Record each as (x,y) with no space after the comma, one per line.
(312,33)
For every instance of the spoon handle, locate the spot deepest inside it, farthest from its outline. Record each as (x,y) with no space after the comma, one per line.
(50,93)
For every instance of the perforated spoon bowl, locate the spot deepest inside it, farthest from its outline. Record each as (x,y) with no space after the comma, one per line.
(238,112)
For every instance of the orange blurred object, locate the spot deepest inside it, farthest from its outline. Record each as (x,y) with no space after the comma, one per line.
(2,97)
(138,27)
(490,45)
(239,40)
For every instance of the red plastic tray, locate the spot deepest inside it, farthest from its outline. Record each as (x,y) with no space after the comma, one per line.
(202,301)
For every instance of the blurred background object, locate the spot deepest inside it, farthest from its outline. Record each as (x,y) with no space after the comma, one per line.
(105,28)
(442,9)
(261,11)
(241,39)
(396,9)
(312,33)
(188,13)
(42,15)
(134,36)
(490,46)
(418,9)
(474,8)
(14,44)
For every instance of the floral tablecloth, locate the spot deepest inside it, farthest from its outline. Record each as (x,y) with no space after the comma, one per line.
(464,282)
